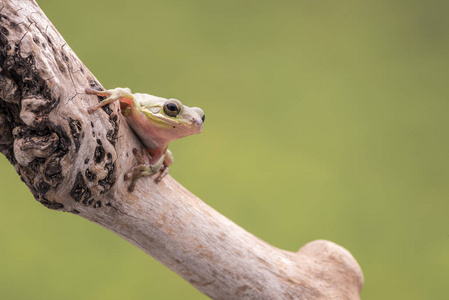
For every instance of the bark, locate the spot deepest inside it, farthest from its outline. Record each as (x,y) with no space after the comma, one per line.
(74,162)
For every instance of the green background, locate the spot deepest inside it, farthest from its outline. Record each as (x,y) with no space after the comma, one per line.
(325,120)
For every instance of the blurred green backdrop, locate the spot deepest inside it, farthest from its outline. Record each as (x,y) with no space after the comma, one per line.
(325,120)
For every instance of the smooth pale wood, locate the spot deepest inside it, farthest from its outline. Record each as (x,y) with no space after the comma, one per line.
(73,161)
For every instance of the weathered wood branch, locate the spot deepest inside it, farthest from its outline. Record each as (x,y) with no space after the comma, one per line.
(75,162)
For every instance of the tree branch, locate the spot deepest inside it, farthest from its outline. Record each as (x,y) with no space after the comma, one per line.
(75,162)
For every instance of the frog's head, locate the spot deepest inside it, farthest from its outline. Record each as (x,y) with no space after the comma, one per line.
(184,120)
(174,120)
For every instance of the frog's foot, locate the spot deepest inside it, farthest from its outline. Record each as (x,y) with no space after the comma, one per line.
(111,96)
(140,171)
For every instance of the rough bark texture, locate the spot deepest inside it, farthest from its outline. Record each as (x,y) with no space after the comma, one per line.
(74,162)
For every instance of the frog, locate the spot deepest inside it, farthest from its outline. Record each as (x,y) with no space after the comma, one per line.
(156,121)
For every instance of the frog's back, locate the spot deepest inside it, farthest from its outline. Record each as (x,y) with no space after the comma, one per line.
(147,100)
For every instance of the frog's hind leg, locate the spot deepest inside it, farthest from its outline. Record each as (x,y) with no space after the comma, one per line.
(138,172)
(145,167)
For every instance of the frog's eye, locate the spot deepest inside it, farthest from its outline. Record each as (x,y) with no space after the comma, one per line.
(172,108)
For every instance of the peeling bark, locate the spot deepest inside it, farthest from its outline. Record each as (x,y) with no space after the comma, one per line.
(74,162)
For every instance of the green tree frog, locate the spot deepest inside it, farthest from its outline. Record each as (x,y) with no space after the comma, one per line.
(156,121)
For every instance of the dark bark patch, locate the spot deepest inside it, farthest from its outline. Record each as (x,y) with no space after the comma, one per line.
(75,211)
(14,26)
(75,129)
(35,165)
(97,204)
(41,186)
(61,64)
(94,85)
(88,202)
(99,154)
(50,43)
(5,130)
(51,204)
(3,40)
(80,190)
(4,31)
(64,57)
(39,146)
(108,181)
(90,175)
(112,134)
(3,17)
(53,170)
(64,141)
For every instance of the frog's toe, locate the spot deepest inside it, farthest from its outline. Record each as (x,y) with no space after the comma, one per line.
(164,172)
(128,175)
(131,186)
(97,92)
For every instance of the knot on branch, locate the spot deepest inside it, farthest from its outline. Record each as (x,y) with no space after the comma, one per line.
(6,136)
(39,76)
(34,112)
(31,146)
(9,91)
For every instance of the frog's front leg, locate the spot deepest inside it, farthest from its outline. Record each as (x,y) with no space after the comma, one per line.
(121,94)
